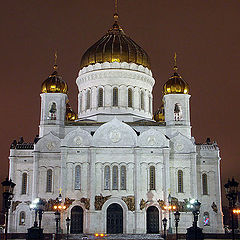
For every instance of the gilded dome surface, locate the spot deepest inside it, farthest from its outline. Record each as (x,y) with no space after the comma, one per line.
(70,114)
(175,85)
(115,46)
(159,114)
(54,84)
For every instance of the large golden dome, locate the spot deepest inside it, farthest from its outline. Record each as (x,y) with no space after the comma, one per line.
(175,85)
(115,46)
(54,83)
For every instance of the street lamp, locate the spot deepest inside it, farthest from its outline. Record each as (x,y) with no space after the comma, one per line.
(164,227)
(58,207)
(169,213)
(231,188)
(177,219)
(8,187)
(68,226)
(194,231)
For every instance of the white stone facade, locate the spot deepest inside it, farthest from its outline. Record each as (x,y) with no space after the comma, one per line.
(118,153)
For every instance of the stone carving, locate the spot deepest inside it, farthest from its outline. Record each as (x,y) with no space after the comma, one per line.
(214,207)
(130,201)
(15,204)
(151,140)
(51,202)
(78,140)
(50,145)
(115,136)
(86,202)
(68,202)
(161,204)
(100,200)
(179,146)
(142,204)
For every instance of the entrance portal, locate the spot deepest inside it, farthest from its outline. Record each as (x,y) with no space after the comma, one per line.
(76,220)
(152,220)
(114,219)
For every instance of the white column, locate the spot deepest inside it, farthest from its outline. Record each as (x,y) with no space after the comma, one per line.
(136,98)
(35,187)
(123,96)
(193,176)
(94,94)
(107,96)
(63,178)
(84,100)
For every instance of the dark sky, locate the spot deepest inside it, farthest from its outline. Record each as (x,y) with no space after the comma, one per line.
(205,35)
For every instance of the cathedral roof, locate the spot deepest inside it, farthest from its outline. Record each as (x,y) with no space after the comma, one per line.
(115,46)
(175,83)
(54,83)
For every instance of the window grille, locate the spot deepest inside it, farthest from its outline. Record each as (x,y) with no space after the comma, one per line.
(152,178)
(22,218)
(123,178)
(180,181)
(115,97)
(24,183)
(204,184)
(115,178)
(129,97)
(107,178)
(49,180)
(100,97)
(88,99)
(142,100)
(77,177)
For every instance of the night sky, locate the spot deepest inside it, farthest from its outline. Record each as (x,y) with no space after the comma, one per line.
(205,35)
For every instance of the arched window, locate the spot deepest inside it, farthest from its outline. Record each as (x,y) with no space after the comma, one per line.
(100,97)
(88,99)
(129,97)
(206,219)
(22,218)
(152,177)
(123,178)
(177,112)
(77,177)
(49,181)
(204,184)
(115,178)
(115,97)
(24,183)
(180,181)
(107,178)
(142,100)
(52,111)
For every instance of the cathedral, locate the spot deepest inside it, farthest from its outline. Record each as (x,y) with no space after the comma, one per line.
(116,165)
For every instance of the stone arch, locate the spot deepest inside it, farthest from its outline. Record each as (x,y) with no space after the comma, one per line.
(77,138)
(114,133)
(152,219)
(104,212)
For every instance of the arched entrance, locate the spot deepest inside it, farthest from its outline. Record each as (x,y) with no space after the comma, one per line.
(152,220)
(76,220)
(114,219)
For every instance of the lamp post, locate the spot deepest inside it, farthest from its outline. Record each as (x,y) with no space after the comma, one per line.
(194,232)
(231,188)
(8,187)
(169,212)
(164,227)
(177,219)
(68,226)
(58,207)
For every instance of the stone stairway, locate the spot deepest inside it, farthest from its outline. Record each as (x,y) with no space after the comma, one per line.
(116,237)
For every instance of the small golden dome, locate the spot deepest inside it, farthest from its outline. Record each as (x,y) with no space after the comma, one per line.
(70,114)
(115,46)
(175,85)
(159,114)
(54,83)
